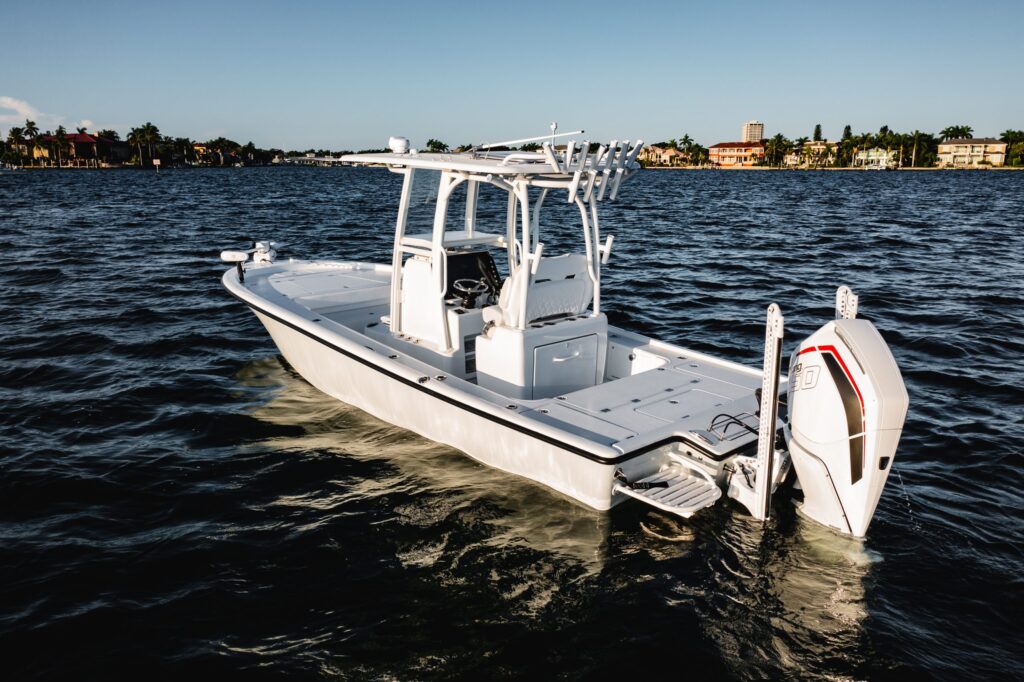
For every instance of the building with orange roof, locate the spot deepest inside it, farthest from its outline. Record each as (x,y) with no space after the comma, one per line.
(736,154)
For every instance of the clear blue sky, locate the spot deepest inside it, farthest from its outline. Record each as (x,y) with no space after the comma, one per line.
(346,74)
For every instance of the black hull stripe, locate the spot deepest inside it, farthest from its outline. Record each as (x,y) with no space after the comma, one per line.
(633,454)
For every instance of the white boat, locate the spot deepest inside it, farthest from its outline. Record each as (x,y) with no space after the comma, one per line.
(523,372)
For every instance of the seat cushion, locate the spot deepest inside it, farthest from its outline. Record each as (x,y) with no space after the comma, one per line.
(561,286)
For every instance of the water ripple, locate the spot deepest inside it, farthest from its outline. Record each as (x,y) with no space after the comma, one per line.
(173,497)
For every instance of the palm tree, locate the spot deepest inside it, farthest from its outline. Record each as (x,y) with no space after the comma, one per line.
(685,144)
(16,137)
(776,150)
(436,146)
(217,146)
(248,151)
(1008,136)
(44,140)
(150,136)
(31,133)
(95,152)
(60,142)
(185,145)
(224,146)
(957,132)
(135,139)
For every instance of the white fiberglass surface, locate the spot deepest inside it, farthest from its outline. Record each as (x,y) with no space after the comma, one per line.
(313,281)
(653,385)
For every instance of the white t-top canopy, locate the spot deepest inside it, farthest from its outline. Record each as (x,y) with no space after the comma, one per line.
(492,164)
(574,158)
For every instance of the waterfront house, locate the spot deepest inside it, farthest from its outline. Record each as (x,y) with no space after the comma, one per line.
(813,154)
(655,155)
(736,154)
(40,150)
(967,152)
(202,154)
(875,158)
(82,150)
(92,150)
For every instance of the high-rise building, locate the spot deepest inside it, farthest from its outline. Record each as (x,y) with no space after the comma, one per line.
(753,131)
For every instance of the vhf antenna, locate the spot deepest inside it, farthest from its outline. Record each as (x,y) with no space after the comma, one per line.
(552,136)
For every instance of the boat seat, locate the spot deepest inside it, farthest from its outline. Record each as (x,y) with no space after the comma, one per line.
(562,286)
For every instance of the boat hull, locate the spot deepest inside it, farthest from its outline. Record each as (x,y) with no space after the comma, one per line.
(490,441)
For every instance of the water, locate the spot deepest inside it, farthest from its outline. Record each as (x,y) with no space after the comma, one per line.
(175,500)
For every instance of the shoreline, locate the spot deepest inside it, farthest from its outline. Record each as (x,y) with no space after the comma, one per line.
(18,169)
(844,169)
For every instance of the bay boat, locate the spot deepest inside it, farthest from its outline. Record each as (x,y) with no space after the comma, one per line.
(522,371)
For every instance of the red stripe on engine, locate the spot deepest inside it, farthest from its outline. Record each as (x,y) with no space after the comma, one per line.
(846,370)
(849,376)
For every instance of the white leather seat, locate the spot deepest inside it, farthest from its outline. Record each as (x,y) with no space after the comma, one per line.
(561,286)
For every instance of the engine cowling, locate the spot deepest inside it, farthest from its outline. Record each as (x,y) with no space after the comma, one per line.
(847,404)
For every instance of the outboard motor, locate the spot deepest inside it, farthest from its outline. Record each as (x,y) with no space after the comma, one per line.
(847,404)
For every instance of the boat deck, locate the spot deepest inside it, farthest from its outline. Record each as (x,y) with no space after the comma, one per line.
(652,391)
(684,395)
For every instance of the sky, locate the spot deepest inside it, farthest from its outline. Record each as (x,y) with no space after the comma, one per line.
(347,75)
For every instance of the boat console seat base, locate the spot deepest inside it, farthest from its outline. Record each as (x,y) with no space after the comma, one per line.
(546,359)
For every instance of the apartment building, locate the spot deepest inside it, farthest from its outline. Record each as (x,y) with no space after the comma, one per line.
(753,131)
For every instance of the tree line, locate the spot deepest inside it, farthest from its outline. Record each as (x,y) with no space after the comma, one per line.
(146,145)
(915,149)
(143,146)
(694,153)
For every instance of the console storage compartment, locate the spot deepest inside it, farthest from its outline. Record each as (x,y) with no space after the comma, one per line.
(545,359)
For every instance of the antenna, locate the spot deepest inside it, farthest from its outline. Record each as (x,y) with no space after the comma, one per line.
(552,137)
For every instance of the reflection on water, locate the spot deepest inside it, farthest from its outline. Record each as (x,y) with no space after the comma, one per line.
(151,473)
(531,515)
(804,586)
(802,582)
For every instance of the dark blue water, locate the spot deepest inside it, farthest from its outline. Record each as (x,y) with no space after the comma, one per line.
(174,500)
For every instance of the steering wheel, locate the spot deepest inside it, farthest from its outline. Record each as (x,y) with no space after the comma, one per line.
(470,289)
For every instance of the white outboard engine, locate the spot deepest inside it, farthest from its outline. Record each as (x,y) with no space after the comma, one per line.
(847,404)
